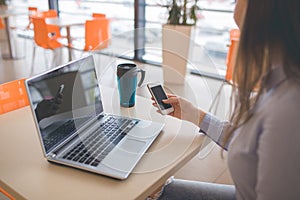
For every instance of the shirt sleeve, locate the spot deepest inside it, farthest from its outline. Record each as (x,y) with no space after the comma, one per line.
(215,129)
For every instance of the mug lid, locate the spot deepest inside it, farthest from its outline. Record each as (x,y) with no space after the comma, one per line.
(125,68)
(126,65)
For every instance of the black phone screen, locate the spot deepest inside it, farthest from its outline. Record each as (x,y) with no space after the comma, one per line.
(160,95)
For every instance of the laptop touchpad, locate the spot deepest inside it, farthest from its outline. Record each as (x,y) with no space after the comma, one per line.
(132,145)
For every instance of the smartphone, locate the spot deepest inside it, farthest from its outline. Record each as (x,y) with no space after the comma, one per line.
(159,94)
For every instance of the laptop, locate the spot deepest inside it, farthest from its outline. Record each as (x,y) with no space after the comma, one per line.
(75,131)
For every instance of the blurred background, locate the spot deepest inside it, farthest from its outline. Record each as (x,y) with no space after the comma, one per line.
(209,41)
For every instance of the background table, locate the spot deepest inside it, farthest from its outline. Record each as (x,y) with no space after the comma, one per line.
(5,14)
(26,174)
(67,22)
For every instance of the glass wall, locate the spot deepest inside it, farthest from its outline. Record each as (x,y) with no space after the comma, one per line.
(209,41)
(41,4)
(121,14)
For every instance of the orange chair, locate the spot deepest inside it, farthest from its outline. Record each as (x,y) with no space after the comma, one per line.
(2,25)
(231,55)
(32,9)
(98,15)
(6,195)
(47,14)
(97,36)
(230,63)
(45,36)
(31,12)
(13,95)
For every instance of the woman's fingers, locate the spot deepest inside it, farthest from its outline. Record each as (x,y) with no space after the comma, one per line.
(154,104)
(171,100)
(170,95)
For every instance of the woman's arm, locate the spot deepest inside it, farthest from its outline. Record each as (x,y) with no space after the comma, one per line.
(215,129)
(209,124)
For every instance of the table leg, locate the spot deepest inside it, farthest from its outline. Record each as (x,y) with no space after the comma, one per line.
(69,42)
(10,53)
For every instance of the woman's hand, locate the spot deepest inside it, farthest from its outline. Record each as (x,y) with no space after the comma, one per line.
(183,109)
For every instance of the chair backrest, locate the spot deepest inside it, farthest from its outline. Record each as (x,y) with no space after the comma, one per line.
(40,31)
(97,34)
(32,9)
(13,95)
(98,15)
(6,195)
(2,25)
(31,12)
(44,36)
(232,53)
(47,14)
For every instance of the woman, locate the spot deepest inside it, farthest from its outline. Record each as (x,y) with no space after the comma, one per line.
(262,137)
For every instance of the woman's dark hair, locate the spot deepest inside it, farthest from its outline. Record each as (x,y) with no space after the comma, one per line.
(270,34)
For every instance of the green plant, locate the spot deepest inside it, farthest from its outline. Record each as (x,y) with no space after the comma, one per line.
(182,12)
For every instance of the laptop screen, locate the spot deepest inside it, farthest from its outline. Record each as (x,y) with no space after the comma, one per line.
(64,99)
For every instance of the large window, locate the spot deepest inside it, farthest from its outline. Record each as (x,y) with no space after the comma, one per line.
(210,39)
(41,4)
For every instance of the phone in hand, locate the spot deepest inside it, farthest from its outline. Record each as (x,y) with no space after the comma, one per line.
(159,94)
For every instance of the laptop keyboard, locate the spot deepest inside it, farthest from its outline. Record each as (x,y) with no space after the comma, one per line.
(59,134)
(62,132)
(94,148)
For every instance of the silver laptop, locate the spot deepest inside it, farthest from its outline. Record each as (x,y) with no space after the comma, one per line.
(75,131)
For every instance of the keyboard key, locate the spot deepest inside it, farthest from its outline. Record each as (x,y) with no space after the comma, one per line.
(95,163)
(94,148)
(82,159)
(89,160)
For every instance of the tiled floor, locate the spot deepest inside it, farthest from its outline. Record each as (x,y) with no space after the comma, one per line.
(206,166)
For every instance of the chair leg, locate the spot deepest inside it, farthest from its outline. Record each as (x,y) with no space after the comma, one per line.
(24,47)
(54,59)
(73,54)
(33,59)
(45,59)
(216,98)
(97,59)
(27,37)
(208,145)
(57,57)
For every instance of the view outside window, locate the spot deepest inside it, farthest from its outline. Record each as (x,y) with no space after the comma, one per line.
(121,13)
(41,4)
(210,39)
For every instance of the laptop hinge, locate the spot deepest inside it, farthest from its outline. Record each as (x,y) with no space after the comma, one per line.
(100,116)
(51,155)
